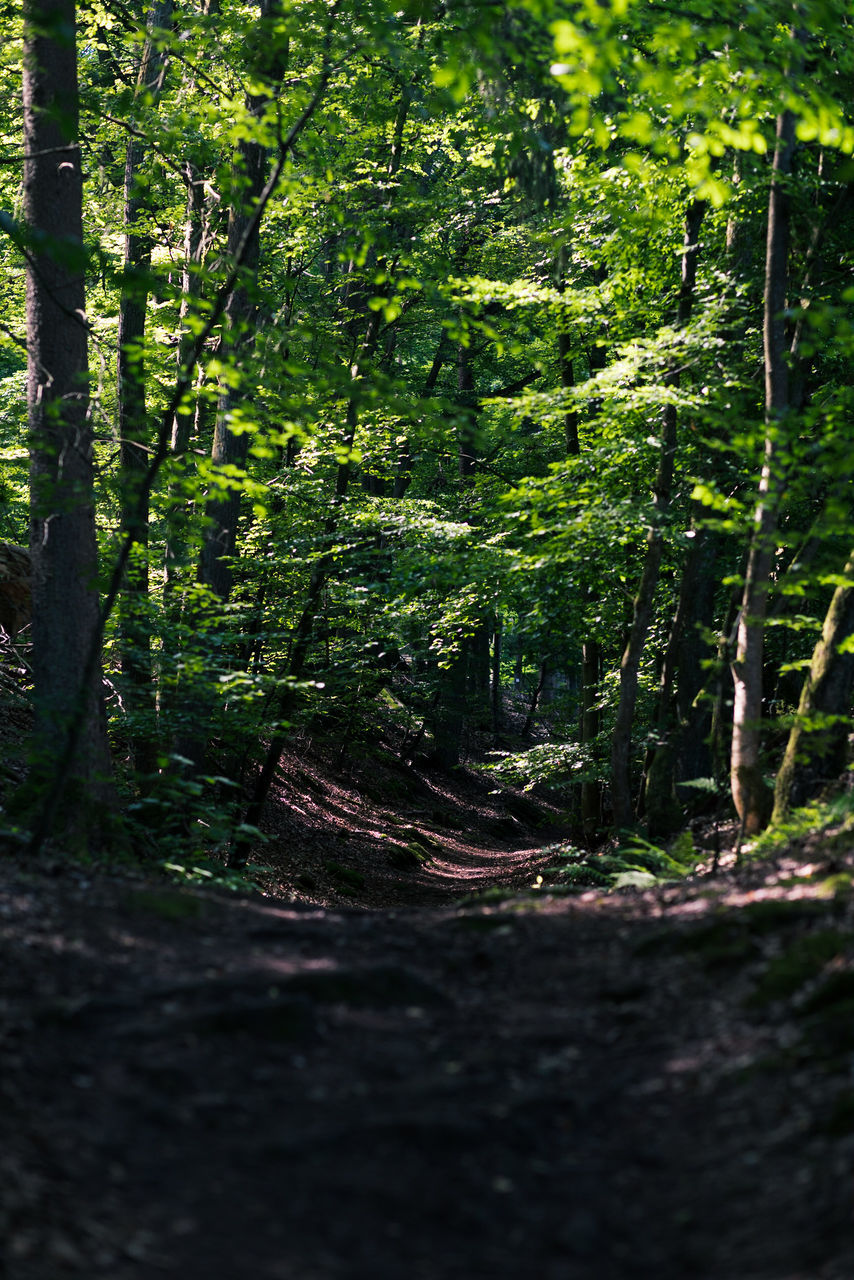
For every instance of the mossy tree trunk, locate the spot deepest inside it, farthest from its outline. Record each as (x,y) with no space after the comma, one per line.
(815,752)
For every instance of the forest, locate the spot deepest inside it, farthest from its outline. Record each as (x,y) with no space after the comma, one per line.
(426,440)
(383,362)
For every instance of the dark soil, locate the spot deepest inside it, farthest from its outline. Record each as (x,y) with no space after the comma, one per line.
(366,1077)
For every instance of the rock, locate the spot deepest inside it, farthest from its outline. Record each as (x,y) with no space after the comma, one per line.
(15,594)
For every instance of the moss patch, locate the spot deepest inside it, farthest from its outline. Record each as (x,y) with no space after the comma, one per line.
(166,903)
(801,962)
(345,876)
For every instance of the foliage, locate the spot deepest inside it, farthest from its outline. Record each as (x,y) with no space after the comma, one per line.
(829,820)
(548,763)
(636,864)
(428,412)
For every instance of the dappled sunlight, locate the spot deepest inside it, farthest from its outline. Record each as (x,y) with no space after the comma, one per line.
(335,835)
(286,968)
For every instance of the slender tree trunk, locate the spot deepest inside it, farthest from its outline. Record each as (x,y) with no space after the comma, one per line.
(591,722)
(250,171)
(535,700)
(187,418)
(229,447)
(751,797)
(466,399)
(133,426)
(567,369)
(621,742)
(680,751)
(449,716)
(815,752)
(495,688)
(591,672)
(62,512)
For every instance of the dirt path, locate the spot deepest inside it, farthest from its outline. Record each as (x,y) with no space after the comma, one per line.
(203,1086)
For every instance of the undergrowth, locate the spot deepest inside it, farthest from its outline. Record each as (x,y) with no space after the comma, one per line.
(833,817)
(636,863)
(212,874)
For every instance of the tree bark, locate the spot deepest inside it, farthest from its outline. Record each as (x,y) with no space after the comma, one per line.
(591,669)
(751,797)
(62,514)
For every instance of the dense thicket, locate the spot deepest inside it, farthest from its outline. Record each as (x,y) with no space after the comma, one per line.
(436,354)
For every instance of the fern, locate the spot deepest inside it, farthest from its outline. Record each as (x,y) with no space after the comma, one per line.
(581,868)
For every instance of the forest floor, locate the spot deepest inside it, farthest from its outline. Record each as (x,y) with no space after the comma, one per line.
(373,1070)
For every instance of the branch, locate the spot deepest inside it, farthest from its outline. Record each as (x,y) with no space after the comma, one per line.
(512,388)
(19,342)
(139,133)
(35,155)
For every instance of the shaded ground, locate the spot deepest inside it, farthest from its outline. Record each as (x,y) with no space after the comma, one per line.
(381,833)
(194,1084)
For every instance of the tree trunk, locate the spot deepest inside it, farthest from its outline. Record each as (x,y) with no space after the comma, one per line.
(535,700)
(466,398)
(621,742)
(479,673)
(815,753)
(63,548)
(187,417)
(230,448)
(591,791)
(591,666)
(495,688)
(132,422)
(680,751)
(567,369)
(448,719)
(751,797)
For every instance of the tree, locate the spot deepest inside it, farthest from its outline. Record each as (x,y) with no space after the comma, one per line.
(132,419)
(404,422)
(250,173)
(750,795)
(816,749)
(643,602)
(70,742)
